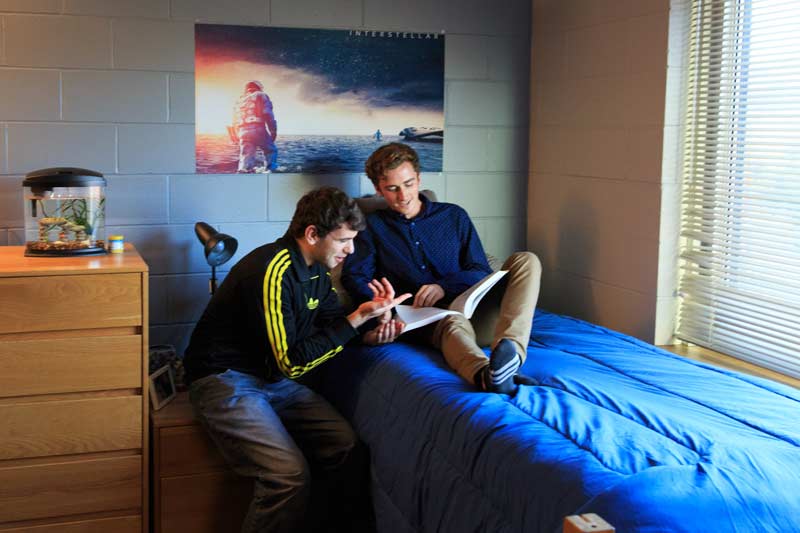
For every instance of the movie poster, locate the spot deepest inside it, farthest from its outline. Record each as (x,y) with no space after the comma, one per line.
(314,101)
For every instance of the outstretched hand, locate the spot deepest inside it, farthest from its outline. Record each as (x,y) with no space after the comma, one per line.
(383,300)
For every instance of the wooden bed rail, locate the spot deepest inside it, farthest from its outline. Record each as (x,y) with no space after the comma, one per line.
(588,522)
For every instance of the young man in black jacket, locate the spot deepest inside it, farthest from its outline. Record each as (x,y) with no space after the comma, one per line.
(275,318)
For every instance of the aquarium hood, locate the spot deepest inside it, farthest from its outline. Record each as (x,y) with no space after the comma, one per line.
(47,178)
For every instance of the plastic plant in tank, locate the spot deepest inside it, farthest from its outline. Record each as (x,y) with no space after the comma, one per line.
(74,215)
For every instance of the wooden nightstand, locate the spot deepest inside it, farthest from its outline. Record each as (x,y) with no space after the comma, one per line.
(73,392)
(193,489)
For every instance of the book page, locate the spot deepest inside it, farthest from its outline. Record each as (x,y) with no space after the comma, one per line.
(467,301)
(416,317)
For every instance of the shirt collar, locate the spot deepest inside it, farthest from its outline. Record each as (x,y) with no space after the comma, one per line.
(303,271)
(423,212)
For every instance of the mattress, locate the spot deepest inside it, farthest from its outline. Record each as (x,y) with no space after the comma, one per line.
(651,441)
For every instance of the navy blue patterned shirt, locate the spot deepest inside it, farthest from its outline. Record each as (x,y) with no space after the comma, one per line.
(439,245)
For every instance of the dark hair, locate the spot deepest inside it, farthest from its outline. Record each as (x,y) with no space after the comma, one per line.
(388,157)
(326,209)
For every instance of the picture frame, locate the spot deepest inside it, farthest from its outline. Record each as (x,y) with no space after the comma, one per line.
(314,100)
(162,387)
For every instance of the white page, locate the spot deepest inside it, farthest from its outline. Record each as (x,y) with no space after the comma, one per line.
(467,301)
(416,317)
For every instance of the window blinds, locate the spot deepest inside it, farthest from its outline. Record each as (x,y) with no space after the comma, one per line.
(740,222)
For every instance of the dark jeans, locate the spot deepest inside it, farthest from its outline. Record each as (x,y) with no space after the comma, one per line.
(308,467)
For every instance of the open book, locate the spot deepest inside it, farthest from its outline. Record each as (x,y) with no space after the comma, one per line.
(465,304)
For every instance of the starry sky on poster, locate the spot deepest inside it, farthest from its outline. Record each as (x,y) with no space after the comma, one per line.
(388,71)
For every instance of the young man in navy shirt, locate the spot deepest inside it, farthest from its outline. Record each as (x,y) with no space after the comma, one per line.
(431,249)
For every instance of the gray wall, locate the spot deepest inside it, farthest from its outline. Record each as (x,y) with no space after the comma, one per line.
(109,85)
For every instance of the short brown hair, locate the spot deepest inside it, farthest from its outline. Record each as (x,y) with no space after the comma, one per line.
(326,209)
(388,157)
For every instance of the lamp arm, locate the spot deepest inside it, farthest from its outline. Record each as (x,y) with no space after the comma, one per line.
(212,283)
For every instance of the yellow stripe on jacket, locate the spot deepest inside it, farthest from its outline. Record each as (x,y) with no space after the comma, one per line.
(274,325)
(273,314)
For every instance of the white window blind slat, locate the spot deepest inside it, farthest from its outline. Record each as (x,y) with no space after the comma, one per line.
(764,314)
(758,269)
(740,219)
(750,352)
(742,242)
(751,346)
(712,298)
(733,298)
(756,216)
(753,334)
(750,233)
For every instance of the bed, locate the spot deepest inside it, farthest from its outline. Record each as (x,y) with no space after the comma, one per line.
(650,441)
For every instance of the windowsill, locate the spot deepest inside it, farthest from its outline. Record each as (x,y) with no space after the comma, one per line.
(726,361)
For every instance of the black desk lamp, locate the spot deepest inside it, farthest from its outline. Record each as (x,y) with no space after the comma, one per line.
(218,248)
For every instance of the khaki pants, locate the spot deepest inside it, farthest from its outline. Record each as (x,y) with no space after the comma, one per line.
(506,312)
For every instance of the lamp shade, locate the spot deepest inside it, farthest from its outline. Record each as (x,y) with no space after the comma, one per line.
(218,247)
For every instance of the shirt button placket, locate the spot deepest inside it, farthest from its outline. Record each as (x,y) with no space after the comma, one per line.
(420,257)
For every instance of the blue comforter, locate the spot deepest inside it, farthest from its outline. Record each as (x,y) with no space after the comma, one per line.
(651,441)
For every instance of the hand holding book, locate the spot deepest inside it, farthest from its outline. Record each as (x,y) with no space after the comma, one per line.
(428,295)
(465,303)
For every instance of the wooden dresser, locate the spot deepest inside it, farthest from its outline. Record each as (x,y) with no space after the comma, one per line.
(193,489)
(73,393)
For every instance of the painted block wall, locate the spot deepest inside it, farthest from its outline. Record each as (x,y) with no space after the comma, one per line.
(109,85)
(597,159)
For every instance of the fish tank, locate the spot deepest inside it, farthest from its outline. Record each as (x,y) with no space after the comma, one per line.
(64,212)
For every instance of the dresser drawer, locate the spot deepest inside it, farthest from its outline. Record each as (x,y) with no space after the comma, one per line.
(40,303)
(40,429)
(75,364)
(117,524)
(63,489)
(187,450)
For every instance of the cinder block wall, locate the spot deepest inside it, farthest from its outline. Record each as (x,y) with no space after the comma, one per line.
(109,85)
(598,166)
